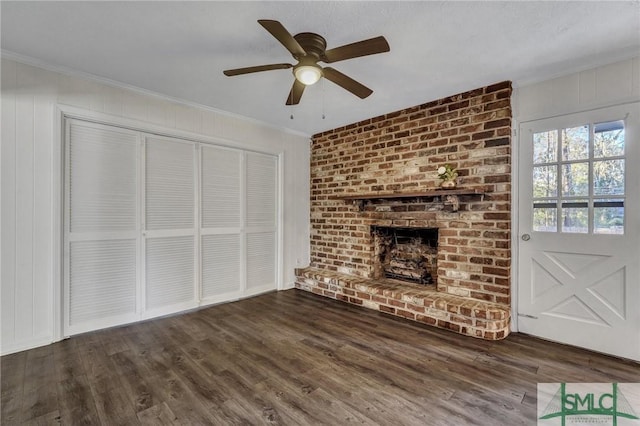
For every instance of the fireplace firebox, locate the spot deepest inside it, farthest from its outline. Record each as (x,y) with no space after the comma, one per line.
(408,254)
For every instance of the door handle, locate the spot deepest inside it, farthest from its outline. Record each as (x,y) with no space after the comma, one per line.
(526,237)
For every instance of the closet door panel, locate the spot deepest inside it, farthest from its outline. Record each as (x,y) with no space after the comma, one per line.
(103,282)
(101,233)
(221,264)
(221,225)
(261,260)
(221,188)
(261,220)
(261,190)
(170,273)
(170,234)
(169,184)
(102,186)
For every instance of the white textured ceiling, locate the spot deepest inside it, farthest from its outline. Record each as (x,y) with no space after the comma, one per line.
(438,48)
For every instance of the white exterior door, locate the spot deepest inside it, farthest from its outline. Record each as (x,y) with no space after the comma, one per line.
(579,230)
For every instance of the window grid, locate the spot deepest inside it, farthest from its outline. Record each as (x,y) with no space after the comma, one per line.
(564,203)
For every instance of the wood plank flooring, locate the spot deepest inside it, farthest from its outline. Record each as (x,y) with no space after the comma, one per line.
(290,358)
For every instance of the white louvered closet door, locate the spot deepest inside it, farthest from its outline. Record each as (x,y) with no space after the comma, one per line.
(155,225)
(221,220)
(261,222)
(101,234)
(169,226)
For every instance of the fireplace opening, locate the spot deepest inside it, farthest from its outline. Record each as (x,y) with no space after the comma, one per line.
(408,254)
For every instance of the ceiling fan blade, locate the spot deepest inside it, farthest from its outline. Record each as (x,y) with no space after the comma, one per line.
(283,36)
(355,50)
(247,70)
(296,93)
(346,82)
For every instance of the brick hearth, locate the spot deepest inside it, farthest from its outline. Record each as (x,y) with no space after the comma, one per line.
(412,301)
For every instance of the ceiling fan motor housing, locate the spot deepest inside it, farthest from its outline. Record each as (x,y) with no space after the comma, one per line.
(315,45)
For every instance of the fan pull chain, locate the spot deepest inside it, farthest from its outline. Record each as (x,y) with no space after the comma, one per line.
(322,97)
(290,101)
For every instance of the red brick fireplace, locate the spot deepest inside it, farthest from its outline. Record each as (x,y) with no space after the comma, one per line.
(397,154)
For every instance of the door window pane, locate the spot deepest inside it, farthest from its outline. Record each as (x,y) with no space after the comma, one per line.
(575,179)
(608,177)
(575,143)
(608,139)
(545,147)
(608,217)
(545,216)
(575,216)
(545,181)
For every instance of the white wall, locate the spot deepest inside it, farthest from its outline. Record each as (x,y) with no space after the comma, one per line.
(604,86)
(29,197)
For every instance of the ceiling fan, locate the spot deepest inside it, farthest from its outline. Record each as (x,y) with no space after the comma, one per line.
(309,49)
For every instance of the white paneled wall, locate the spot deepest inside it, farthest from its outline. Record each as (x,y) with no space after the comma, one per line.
(595,88)
(30,261)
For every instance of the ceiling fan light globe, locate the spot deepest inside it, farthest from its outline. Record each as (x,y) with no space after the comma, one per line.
(307,74)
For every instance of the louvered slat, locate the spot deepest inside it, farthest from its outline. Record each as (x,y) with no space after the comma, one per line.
(169,271)
(220,187)
(102,280)
(102,179)
(220,264)
(261,259)
(261,190)
(169,184)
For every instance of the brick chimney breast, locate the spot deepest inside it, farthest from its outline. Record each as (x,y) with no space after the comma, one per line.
(399,153)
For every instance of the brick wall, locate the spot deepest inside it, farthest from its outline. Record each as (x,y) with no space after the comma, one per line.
(399,153)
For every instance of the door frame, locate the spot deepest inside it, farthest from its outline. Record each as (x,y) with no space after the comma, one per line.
(515,221)
(64,112)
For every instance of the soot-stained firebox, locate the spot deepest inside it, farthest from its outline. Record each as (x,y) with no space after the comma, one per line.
(408,254)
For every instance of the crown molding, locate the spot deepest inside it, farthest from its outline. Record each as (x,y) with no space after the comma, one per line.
(38,63)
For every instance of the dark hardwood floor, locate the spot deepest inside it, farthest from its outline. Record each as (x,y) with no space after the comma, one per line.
(290,358)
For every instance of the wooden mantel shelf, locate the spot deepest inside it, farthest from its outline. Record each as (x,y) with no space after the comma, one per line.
(423,194)
(449,196)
